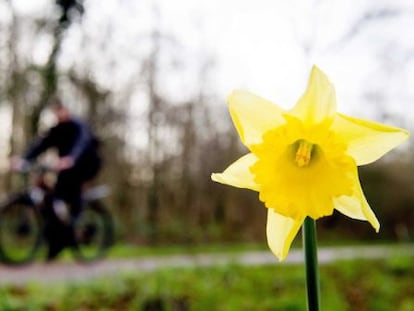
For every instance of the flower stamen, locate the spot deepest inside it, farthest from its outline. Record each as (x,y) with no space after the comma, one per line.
(303,153)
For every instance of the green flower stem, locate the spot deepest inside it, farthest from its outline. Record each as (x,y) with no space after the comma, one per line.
(311,263)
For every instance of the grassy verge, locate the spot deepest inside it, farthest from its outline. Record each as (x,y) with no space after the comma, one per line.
(356,285)
(132,251)
(123,251)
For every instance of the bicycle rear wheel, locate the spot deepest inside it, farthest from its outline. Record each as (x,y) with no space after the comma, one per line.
(20,232)
(93,232)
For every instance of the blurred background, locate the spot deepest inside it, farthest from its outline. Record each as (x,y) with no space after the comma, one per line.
(152,78)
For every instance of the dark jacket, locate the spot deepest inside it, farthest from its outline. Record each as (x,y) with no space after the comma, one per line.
(70,138)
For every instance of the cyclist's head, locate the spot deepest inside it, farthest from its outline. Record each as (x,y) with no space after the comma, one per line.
(61,112)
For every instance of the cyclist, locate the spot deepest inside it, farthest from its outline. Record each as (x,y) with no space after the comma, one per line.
(79,161)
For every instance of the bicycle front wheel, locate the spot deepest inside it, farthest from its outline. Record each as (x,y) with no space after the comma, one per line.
(20,232)
(93,232)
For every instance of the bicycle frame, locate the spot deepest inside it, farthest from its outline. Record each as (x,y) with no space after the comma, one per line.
(35,195)
(40,188)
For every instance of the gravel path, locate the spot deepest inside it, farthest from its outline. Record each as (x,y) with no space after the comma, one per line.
(63,272)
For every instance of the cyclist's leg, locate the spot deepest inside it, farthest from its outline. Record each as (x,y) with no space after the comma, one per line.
(52,227)
(68,189)
(66,195)
(89,166)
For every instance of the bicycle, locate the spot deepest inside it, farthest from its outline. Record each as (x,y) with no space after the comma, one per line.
(22,221)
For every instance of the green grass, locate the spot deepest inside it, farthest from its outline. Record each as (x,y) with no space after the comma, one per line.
(345,286)
(123,250)
(119,250)
(129,251)
(134,251)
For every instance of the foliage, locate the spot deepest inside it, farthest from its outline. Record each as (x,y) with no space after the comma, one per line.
(346,286)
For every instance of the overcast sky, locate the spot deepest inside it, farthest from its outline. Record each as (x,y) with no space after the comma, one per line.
(265,46)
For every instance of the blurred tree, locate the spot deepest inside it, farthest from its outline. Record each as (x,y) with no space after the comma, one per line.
(14,84)
(68,6)
(154,114)
(49,72)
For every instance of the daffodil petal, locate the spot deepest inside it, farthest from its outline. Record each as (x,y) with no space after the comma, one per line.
(280,232)
(368,213)
(318,103)
(349,206)
(253,116)
(356,206)
(238,174)
(367,141)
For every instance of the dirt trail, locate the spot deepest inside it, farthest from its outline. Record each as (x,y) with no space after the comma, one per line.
(63,272)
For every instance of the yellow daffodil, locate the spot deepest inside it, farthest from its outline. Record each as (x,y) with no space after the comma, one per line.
(303,161)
